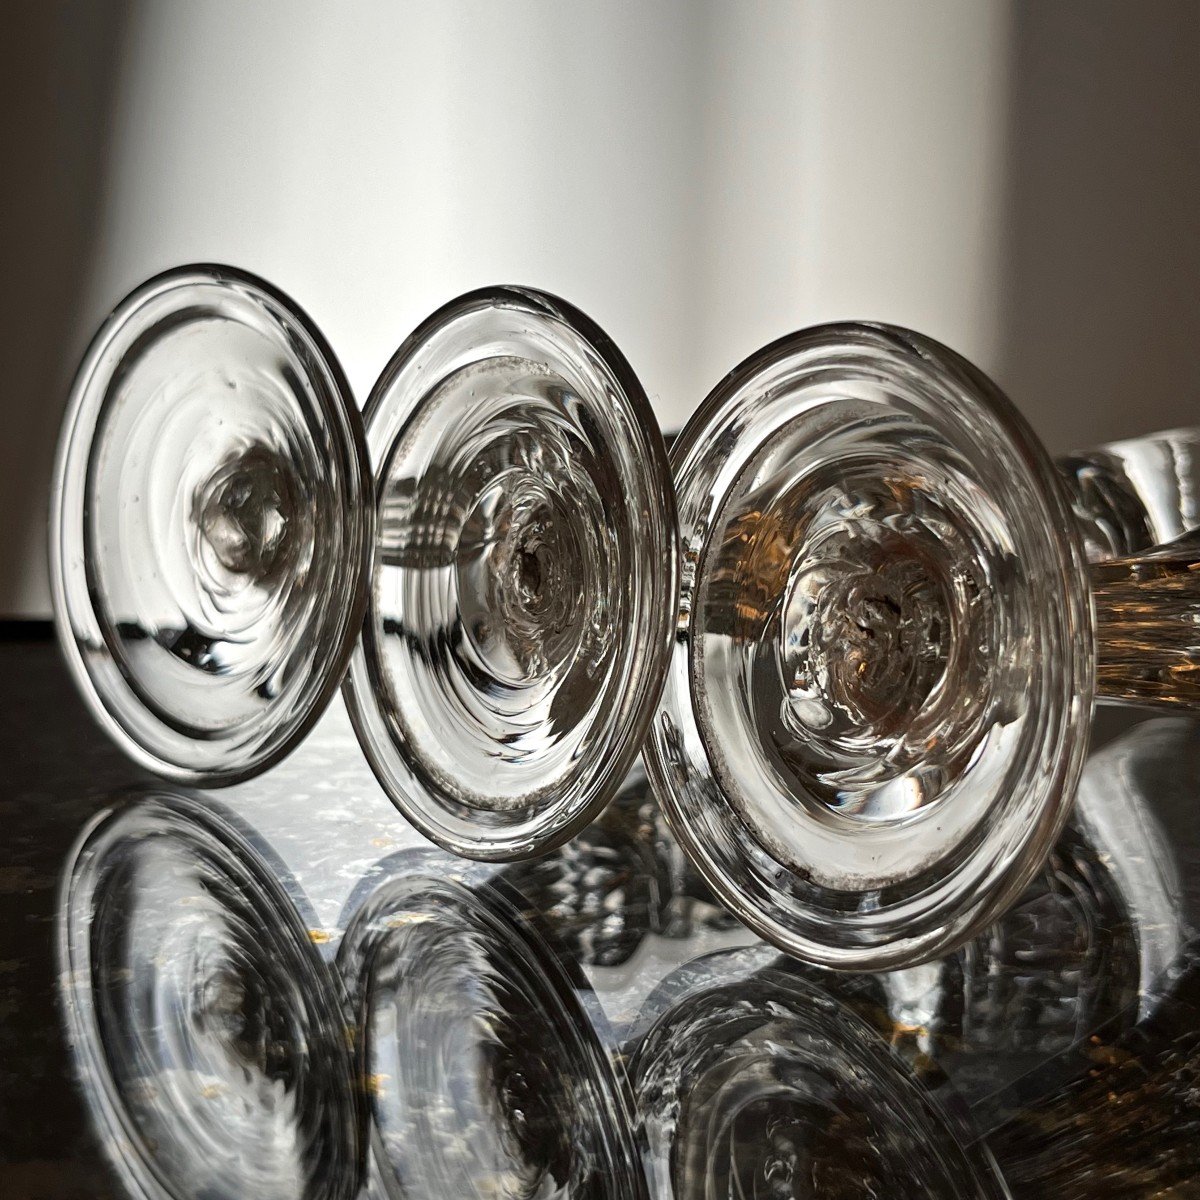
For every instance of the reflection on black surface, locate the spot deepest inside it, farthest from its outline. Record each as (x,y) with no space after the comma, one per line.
(1059,964)
(1125,1124)
(622,878)
(1079,1073)
(766,1086)
(209,1037)
(485,1075)
(1062,962)
(213,1045)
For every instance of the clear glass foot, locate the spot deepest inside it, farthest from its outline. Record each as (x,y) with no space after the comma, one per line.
(522,601)
(879,696)
(211,526)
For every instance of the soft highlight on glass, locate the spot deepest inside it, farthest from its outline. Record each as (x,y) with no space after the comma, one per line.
(523,594)
(209,1037)
(210,526)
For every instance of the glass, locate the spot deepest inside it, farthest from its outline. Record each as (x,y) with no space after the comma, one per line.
(1060,964)
(619,882)
(208,1035)
(1118,1118)
(215,521)
(480,1050)
(759,1083)
(523,592)
(1138,503)
(211,525)
(1068,1027)
(896,614)
(503,1004)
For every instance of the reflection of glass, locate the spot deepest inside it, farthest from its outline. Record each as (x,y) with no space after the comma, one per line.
(765,1085)
(1115,1114)
(523,596)
(1069,982)
(210,1040)
(622,878)
(1061,963)
(483,1068)
(210,525)
(1137,800)
(1124,1123)
(879,702)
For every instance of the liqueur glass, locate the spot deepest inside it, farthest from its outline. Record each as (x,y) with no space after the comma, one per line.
(522,597)
(479,1049)
(896,613)
(211,525)
(208,1035)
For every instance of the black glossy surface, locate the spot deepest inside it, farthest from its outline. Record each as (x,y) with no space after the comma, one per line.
(590,1024)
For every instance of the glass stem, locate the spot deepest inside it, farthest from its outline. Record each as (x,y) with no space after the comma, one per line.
(1138,506)
(1148,625)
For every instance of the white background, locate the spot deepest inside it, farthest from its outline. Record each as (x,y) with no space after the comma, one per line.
(1018,180)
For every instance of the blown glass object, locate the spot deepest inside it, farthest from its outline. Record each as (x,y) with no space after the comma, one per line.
(523,595)
(896,614)
(210,525)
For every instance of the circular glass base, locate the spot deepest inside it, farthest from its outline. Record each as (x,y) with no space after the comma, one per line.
(767,1086)
(485,1073)
(211,525)
(523,594)
(878,703)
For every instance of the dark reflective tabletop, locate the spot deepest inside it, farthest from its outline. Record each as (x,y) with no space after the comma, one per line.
(280,990)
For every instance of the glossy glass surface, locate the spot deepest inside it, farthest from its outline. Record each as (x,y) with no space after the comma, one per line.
(485,1074)
(1137,504)
(523,591)
(515,1005)
(1132,495)
(210,525)
(877,707)
(207,1034)
(760,1085)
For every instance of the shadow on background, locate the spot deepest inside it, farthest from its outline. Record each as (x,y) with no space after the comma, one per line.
(1100,304)
(59,70)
